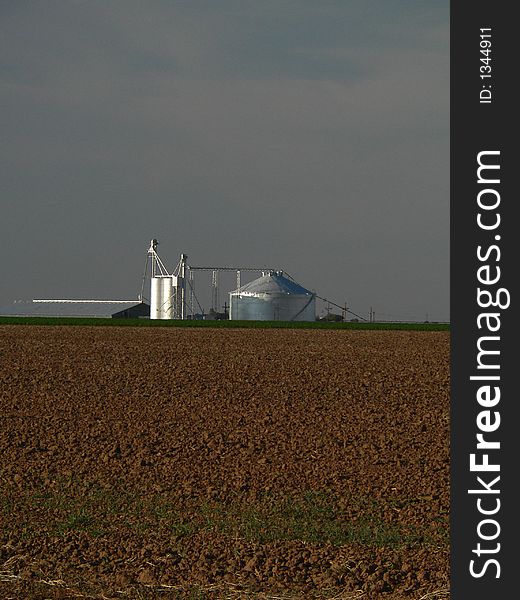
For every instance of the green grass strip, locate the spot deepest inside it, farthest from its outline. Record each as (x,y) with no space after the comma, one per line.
(225,324)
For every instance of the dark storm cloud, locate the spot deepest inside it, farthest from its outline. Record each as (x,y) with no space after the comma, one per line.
(310,136)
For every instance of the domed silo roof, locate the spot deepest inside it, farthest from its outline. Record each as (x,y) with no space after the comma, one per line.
(273,283)
(272,297)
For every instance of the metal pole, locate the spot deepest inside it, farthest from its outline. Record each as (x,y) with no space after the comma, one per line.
(214,291)
(182,275)
(192,284)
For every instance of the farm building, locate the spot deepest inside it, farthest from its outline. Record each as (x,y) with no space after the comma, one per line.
(103,309)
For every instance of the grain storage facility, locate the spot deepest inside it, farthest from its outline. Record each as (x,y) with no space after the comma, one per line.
(272,297)
(167,291)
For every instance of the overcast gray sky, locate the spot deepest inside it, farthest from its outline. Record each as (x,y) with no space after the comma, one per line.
(311,136)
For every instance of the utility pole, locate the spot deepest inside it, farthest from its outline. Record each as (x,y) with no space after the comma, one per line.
(214,290)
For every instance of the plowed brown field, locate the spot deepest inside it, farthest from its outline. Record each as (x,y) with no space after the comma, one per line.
(212,463)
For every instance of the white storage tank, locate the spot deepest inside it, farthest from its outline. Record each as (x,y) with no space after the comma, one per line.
(272,297)
(161,297)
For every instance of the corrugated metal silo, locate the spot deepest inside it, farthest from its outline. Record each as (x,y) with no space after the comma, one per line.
(272,297)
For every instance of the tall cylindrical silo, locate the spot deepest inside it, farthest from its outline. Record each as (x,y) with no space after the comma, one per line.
(161,298)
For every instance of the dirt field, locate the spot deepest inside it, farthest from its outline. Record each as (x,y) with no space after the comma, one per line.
(204,463)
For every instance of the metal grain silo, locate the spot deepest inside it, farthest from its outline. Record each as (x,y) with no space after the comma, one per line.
(272,297)
(161,297)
